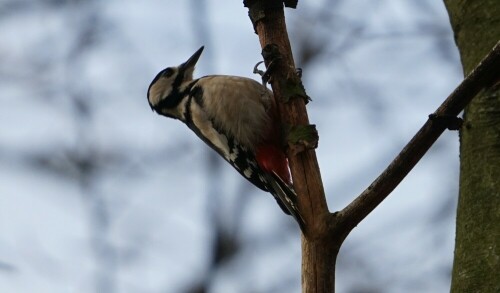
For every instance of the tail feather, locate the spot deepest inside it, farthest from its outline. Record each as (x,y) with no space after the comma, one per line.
(287,198)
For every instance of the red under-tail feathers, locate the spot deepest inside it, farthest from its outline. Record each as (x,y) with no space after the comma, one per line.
(272,159)
(270,154)
(273,162)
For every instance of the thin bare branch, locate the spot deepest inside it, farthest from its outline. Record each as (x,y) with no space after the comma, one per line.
(486,74)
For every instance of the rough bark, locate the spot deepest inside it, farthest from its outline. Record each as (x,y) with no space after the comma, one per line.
(319,255)
(476,266)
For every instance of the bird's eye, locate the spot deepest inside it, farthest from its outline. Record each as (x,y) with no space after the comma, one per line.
(168,72)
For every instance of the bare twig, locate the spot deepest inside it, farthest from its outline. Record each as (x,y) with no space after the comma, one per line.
(486,74)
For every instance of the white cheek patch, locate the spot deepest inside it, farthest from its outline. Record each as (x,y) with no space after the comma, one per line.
(159,90)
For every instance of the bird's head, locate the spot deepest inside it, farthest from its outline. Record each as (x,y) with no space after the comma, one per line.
(166,91)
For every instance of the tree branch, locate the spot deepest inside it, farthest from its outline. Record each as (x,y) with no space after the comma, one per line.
(319,248)
(269,22)
(325,232)
(485,75)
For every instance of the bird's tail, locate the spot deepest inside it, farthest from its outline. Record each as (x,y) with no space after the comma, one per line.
(286,197)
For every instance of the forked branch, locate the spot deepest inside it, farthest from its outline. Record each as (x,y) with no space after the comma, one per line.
(324,231)
(485,75)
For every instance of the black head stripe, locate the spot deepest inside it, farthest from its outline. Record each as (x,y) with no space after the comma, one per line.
(197,93)
(188,116)
(175,97)
(167,72)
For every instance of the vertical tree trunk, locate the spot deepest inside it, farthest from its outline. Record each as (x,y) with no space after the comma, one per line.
(476,267)
(319,248)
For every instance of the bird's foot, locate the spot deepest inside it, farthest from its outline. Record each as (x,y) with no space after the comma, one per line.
(265,75)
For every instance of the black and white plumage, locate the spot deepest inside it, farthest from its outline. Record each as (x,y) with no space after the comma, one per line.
(236,117)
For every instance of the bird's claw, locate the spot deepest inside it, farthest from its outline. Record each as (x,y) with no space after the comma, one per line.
(256,69)
(266,75)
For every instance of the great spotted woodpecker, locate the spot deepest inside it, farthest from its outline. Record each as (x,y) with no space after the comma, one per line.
(235,116)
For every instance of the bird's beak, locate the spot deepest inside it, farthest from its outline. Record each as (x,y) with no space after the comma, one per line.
(191,62)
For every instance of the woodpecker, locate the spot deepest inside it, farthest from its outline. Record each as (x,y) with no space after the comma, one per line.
(236,117)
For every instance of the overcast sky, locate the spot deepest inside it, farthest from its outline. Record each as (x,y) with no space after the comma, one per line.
(99,194)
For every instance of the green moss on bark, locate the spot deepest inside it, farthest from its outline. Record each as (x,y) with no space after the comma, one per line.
(476,266)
